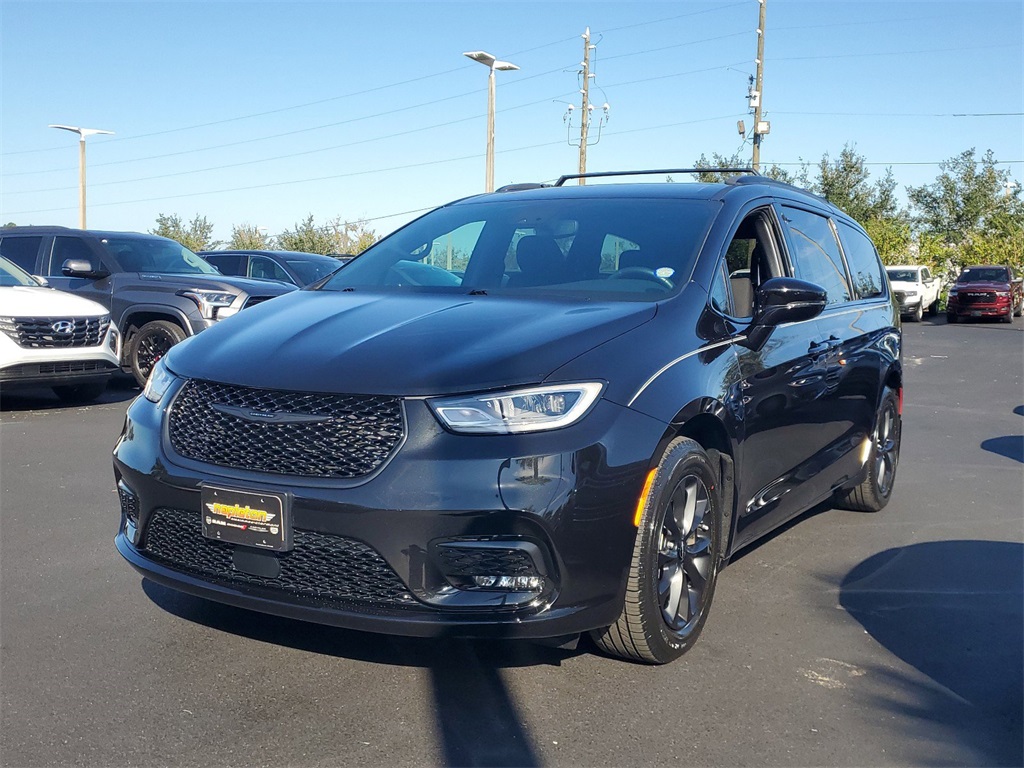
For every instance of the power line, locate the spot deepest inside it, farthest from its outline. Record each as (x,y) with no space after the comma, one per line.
(890,53)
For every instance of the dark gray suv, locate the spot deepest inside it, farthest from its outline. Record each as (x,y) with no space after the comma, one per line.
(157,290)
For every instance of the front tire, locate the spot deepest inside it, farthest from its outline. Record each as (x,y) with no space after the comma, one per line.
(150,343)
(675,561)
(918,313)
(876,489)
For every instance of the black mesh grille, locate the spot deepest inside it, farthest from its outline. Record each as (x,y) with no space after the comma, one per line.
(320,565)
(351,436)
(129,503)
(976,297)
(477,561)
(57,332)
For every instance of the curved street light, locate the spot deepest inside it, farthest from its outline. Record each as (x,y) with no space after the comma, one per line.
(82,133)
(492,63)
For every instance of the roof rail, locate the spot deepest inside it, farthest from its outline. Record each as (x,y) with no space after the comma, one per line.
(520,187)
(570,176)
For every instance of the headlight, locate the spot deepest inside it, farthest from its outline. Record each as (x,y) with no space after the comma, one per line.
(158,382)
(517,410)
(910,294)
(952,292)
(9,326)
(1004,294)
(209,302)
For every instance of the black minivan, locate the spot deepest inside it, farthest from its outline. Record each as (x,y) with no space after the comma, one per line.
(587,401)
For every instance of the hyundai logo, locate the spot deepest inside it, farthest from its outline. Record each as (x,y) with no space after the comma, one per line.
(63,327)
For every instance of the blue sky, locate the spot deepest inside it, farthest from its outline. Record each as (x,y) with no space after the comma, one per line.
(262,113)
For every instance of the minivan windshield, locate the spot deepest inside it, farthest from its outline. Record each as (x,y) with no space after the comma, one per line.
(639,249)
(157,255)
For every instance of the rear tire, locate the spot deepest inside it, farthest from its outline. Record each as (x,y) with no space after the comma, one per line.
(874,493)
(149,344)
(79,393)
(675,561)
(933,308)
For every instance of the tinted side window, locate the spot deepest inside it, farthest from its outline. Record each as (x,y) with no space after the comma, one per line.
(815,253)
(65,248)
(229,264)
(865,266)
(266,269)
(21,250)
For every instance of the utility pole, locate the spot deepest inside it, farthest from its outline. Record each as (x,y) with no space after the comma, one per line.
(757,95)
(585,112)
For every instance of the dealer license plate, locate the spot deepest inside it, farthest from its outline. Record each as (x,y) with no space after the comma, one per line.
(252,519)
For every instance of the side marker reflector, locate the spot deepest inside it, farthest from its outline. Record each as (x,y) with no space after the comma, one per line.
(648,483)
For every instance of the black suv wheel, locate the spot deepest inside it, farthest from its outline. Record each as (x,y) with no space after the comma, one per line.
(151,342)
(675,561)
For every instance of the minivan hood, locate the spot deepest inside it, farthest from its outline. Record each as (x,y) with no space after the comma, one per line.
(410,344)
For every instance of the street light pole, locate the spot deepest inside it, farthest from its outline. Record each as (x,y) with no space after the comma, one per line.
(492,63)
(82,133)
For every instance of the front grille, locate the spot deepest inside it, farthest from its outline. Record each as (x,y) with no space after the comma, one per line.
(976,297)
(351,437)
(320,566)
(57,332)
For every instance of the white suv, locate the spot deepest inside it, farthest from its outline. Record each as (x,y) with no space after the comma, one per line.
(915,289)
(51,338)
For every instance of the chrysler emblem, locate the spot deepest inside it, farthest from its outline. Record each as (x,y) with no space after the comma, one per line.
(269,417)
(63,327)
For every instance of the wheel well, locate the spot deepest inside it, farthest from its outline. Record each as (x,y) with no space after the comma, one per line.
(713,438)
(135,321)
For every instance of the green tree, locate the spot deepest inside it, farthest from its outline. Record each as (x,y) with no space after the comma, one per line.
(335,237)
(971,214)
(248,237)
(733,161)
(307,237)
(195,237)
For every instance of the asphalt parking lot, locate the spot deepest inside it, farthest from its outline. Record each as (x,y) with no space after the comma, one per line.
(845,639)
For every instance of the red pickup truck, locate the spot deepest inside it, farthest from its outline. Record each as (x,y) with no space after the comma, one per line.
(986,291)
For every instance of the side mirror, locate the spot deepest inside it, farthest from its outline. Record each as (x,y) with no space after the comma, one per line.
(783,300)
(82,268)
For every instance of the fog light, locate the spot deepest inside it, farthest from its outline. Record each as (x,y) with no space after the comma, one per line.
(510,583)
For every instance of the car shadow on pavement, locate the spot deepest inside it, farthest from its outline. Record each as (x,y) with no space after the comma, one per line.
(43,399)
(478,720)
(953,610)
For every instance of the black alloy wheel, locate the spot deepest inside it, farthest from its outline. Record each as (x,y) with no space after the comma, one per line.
(150,343)
(676,560)
(874,492)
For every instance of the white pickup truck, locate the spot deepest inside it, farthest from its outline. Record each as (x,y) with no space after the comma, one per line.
(916,289)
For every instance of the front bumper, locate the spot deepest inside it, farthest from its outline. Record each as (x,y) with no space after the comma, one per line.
(398,553)
(998,308)
(51,366)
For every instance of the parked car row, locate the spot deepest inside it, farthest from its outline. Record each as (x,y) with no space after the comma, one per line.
(156,291)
